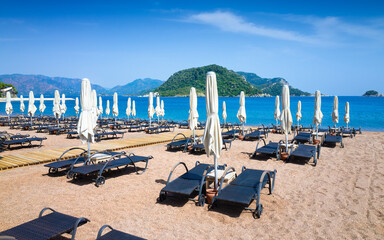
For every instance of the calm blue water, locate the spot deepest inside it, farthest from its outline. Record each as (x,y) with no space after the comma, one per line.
(364,111)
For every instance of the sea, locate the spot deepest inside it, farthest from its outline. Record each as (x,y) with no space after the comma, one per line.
(365,112)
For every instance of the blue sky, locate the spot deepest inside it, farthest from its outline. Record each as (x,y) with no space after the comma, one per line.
(334,47)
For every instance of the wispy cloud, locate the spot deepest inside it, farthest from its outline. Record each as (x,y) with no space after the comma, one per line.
(327,30)
(230,22)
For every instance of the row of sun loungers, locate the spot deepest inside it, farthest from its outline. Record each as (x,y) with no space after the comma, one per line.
(19,140)
(242,191)
(96,164)
(54,224)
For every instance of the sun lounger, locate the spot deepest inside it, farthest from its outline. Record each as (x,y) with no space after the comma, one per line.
(192,181)
(270,149)
(256,135)
(245,189)
(351,132)
(63,163)
(60,130)
(114,234)
(333,140)
(160,129)
(108,135)
(46,227)
(113,161)
(22,142)
(184,124)
(303,137)
(324,129)
(72,134)
(137,127)
(306,152)
(179,144)
(200,147)
(306,128)
(231,133)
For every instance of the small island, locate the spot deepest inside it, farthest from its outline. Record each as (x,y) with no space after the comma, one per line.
(372,93)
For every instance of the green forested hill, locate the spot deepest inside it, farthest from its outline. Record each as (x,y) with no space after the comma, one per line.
(229,83)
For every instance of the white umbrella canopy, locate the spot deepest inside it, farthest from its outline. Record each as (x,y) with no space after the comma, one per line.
(346,116)
(224,112)
(100,105)
(318,115)
(158,107)
(128,111)
(31,105)
(56,105)
(241,114)
(162,108)
(193,114)
(115,108)
(8,104)
(298,114)
(22,106)
(63,107)
(285,116)
(77,108)
(335,113)
(133,108)
(95,110)
(87,123)
(277,109)
(151,110)
(42,105)
(107,110)
(212,139)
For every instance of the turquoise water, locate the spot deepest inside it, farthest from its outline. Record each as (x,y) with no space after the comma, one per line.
(364,111)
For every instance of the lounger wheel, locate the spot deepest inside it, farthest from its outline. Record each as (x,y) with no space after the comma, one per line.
(257,213)
(52,170)
(162,197)
(201,201)
(100,181)
(315,162)
(70,175)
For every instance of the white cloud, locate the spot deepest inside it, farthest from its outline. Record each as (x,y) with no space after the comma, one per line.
(230,22)
(321,31)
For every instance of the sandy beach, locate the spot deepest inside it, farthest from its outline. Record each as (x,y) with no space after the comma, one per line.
(341,198)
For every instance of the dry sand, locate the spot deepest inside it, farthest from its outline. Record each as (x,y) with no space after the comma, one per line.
(341,198)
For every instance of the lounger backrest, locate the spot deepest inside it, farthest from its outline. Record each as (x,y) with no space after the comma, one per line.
(249,178)
(195,173)
(306,148)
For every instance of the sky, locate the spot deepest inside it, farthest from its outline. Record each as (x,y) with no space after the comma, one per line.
(336,47)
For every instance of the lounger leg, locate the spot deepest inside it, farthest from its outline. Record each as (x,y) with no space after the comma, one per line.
(76,225)
(146,166)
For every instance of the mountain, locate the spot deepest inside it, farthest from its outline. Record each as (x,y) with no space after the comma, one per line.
(137,87)
(40,84)
(271,86)
(229,83)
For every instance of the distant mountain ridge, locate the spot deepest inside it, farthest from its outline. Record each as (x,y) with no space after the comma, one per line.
(41,84)
(229,83)
(271,86)
(137,87)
